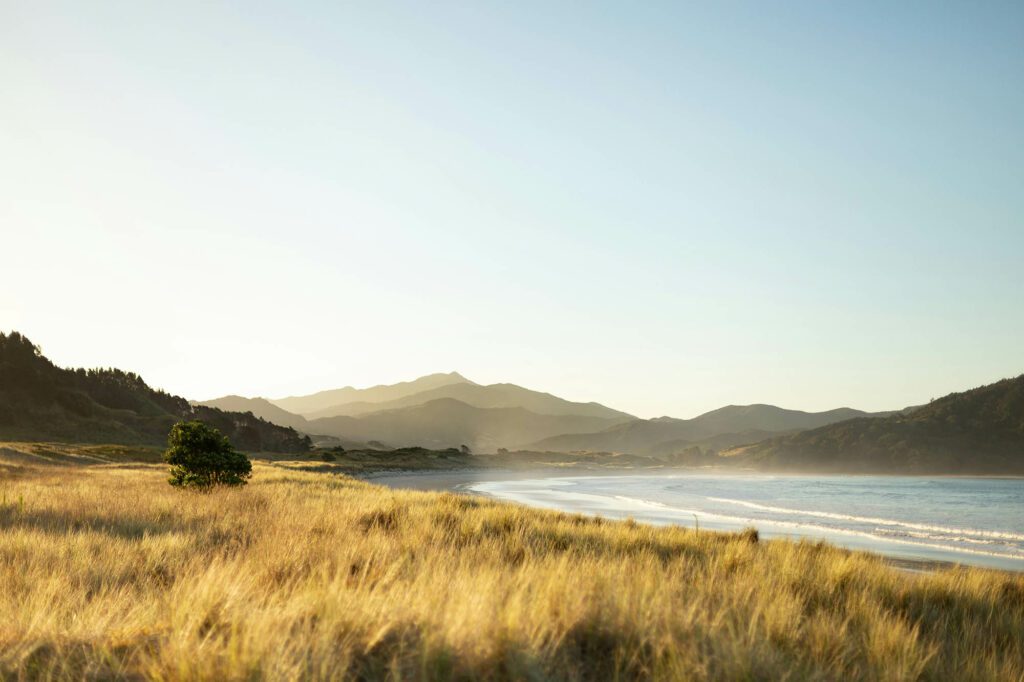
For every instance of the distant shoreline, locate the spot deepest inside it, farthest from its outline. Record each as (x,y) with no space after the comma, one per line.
(508,472)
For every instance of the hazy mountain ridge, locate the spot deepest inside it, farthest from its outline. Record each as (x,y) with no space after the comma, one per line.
(528,414)
(727,426)
(446,422)
(477,395)
(260,407)
(980,431)
(975,431)
(607,430)
(323,400)
(40,401)
(710,445)
(762,417)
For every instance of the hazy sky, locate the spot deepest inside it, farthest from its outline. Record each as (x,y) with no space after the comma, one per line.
(665,208)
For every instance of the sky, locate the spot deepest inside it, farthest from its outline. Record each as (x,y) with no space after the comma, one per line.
(663,207)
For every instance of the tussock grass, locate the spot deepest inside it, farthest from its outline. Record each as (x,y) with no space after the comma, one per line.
(109,572)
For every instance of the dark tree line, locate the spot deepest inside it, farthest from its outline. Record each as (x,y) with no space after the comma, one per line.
(40,401)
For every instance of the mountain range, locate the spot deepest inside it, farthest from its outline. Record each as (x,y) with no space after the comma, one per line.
(446,422)
(980,431)
(325,400)
(449,410)
(494,395)
(260,407)
(724,427)
(439,410)
(977,431)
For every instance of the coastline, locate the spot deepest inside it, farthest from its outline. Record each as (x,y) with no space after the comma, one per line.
(463,480)
(304,570)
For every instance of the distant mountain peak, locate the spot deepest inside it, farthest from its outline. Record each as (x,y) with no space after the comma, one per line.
(324,400)
(261,407)
(490,396)
(457,377)
(446,421)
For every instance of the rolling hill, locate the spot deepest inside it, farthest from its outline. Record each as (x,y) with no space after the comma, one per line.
(260,407)
(42,402)
(980,431)
(453,411)
(584,427)
(725,427)
(446,422)
(324,400)
(494,395)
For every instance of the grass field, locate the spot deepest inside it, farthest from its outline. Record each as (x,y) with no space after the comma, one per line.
(109,572)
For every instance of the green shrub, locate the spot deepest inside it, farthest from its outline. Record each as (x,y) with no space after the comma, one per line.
(200,457)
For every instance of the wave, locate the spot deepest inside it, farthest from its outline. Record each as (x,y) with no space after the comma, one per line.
(542,495)
(896,533)
(883,535)
(977,533)
(879,534)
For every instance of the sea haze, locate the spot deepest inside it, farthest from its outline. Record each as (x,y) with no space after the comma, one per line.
(977,521)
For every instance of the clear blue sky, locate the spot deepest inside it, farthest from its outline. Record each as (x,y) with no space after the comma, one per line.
(661,207)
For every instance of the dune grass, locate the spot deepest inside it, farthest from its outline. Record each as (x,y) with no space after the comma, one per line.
(109,572)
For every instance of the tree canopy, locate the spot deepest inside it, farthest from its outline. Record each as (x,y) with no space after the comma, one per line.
(201,457)
(42,402)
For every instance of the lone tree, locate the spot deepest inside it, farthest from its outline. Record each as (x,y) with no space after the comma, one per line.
(200,457)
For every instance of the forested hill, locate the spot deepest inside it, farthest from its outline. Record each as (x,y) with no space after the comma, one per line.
(980,431)
(40,401)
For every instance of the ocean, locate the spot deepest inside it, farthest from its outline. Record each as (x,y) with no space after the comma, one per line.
(977,521)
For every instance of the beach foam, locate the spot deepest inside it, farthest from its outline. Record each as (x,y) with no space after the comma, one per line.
(842,510)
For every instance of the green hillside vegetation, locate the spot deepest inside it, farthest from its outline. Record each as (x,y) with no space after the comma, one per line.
(42,402)
(980,431)
(418,459)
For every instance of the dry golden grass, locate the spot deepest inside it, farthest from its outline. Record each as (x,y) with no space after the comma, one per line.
(108,572)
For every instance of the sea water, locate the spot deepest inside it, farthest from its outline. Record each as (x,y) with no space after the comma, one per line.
(977,521)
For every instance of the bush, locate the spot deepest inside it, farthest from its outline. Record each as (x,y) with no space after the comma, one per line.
(200,457)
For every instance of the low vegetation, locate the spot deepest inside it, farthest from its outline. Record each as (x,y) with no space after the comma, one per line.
(109,572)
(360,461)
(201,457)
